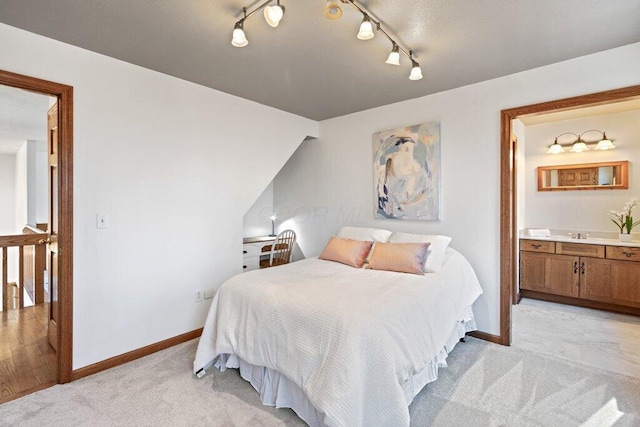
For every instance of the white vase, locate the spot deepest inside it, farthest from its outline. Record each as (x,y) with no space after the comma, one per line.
(625,237)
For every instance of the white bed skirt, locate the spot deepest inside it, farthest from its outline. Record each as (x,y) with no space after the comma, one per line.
(277,390)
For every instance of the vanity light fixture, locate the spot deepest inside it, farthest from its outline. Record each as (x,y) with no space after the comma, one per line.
(579,145)
(273,14)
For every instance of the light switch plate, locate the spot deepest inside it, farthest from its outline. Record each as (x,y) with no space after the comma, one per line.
(102,221)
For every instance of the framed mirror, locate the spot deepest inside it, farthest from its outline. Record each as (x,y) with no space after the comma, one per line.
(585,176)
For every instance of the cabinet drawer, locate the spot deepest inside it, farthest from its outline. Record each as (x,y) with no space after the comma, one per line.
(623,253)
(249,250)
(250,263)
(537,246)
(580,249)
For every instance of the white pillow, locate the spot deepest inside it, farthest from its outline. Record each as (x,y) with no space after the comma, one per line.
(366,234)
(437,248)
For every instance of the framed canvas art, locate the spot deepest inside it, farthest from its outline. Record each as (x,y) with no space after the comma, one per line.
(406,172)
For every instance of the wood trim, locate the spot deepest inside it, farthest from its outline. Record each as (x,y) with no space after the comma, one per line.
(507,219)
(5,281)
(496,339)
(64,94)
(507,191)
(134,354)
(20,240)
(561,299)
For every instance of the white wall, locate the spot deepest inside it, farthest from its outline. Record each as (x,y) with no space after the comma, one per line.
(302,205)
(470,134)
(583,211)
(21,186)
(7,193)
(519,131)
(256,221)
(37,182)
(175,166)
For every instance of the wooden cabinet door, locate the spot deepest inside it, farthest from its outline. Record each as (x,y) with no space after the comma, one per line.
(616,282)
(578,177)
(554,274)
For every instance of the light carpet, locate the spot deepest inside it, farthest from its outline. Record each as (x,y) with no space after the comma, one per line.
(484,385)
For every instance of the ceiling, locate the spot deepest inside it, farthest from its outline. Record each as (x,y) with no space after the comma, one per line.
(317,68)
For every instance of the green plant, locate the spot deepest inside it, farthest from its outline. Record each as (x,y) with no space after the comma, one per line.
(624,219)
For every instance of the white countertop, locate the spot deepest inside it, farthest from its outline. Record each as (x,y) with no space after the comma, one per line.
(587,241)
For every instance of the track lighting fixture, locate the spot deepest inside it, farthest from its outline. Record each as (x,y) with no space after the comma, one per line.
(416,71)
(239,37)
(579,145)
(394,56)
(273,14)
(366,29)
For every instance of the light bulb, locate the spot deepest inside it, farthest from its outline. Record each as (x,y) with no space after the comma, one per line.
(239,38)
(332,10)
(366,29)
(579,146)
(394,56)
(273,14)
(416,72)
(555,148)
(605,144)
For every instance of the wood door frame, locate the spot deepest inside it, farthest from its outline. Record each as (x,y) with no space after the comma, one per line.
(64,94)
(508,210)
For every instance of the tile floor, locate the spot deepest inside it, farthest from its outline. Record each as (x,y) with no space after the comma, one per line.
(598,338)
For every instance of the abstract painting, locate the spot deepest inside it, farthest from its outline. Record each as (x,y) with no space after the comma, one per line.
(406,172)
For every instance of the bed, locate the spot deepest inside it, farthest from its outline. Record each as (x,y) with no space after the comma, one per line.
(341,346)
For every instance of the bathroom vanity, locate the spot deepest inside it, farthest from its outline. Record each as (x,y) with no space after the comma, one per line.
(597,273)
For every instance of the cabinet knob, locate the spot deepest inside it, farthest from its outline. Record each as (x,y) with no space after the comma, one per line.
(536,246)
(244,252)
(628,254)
(575,267)
(582,267)
(244,266)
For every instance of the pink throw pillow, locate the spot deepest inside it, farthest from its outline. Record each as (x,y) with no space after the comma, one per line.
(401,257)
(346,251)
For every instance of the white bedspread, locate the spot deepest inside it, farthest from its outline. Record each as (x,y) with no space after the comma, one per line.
(349,338)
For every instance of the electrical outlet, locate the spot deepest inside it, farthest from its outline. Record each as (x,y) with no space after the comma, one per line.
(198,295)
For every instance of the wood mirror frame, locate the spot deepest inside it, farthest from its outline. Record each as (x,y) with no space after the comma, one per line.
(583,176)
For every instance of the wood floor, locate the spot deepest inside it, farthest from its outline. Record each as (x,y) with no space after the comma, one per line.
(27,361)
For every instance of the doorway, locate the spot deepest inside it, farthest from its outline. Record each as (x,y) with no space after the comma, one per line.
(63,175)
(509,185)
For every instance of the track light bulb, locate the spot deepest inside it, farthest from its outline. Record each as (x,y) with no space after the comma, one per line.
(273,14)
(394,56)
(332,10)
(239,38)
(366,29)
(416,72)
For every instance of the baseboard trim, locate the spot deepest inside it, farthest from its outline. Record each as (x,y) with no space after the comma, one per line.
(133,355)
(496,339)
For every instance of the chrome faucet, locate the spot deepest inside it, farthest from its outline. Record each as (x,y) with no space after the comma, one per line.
(578,235)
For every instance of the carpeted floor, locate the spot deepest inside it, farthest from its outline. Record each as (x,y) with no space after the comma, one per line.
(485,385)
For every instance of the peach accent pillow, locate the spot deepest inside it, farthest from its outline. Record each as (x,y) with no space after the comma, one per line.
(346,251)
(401,257)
